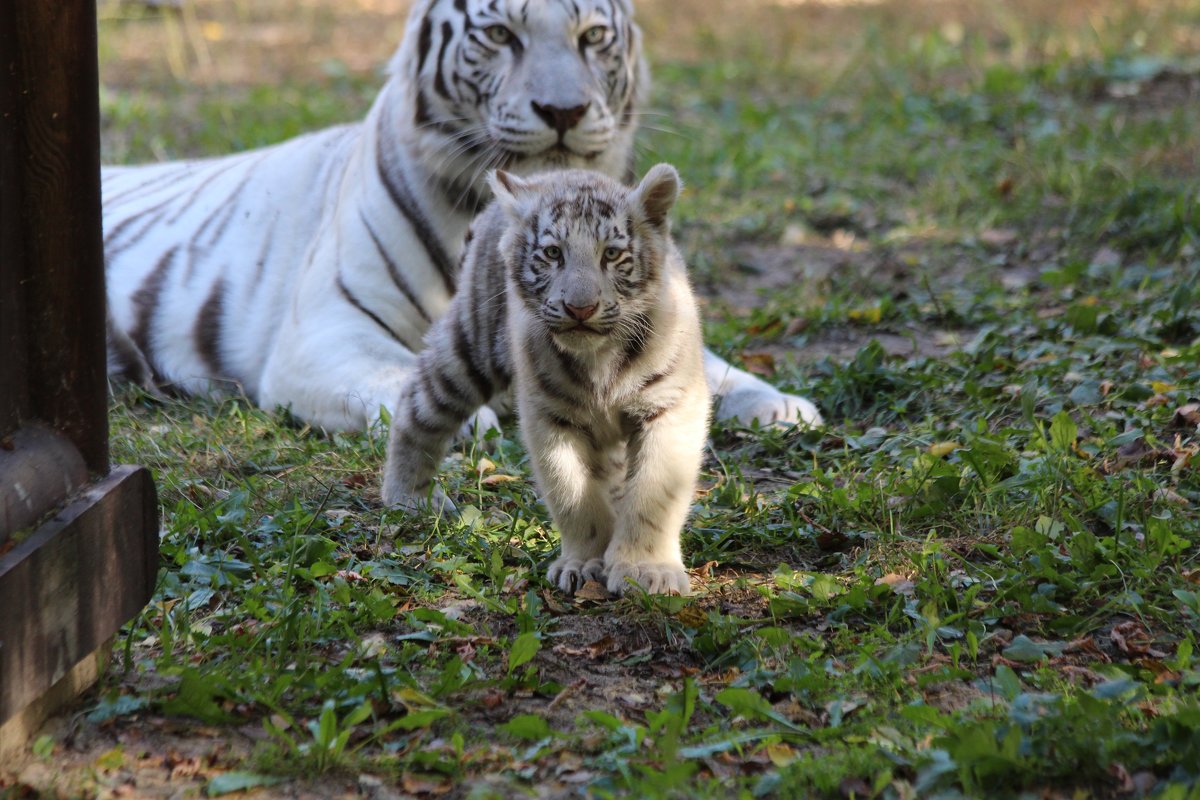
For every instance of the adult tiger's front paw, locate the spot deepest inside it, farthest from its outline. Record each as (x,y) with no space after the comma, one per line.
(769,406)
(569,574)
(654,578)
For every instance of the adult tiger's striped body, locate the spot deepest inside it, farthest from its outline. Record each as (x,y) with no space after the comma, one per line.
(306,273)
(575,294)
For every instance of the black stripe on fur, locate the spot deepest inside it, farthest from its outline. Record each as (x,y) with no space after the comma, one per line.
(402,198)
(394,271)
(207,331)
(349,297)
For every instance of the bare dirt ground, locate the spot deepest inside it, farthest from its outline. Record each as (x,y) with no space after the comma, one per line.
(603,662)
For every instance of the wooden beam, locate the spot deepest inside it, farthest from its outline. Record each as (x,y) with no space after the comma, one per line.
(67,588)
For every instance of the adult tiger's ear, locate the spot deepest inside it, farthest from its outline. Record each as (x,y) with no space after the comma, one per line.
(510,192)
(657,192)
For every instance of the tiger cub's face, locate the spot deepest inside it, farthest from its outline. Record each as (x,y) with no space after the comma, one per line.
(525,84)
(585,254)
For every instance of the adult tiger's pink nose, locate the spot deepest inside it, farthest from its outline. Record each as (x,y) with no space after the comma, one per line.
(580,313)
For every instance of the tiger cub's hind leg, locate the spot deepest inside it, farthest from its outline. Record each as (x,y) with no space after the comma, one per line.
(431,409)
(416,446)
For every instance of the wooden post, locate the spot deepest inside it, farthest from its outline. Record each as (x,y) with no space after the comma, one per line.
(51,252)
(78,543)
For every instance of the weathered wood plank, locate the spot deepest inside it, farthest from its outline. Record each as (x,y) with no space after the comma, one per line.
(19,730)
(72,584)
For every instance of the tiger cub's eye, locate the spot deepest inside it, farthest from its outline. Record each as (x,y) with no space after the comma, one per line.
(552,252)
(612,253)
(498,34)
(594,35)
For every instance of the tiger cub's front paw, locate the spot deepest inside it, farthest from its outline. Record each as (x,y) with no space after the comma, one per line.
(569,574)
(654,578)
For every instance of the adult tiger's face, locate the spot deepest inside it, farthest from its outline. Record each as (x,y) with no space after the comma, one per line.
(522,84)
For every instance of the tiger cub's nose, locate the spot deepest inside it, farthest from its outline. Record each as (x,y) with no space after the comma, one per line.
(580,313)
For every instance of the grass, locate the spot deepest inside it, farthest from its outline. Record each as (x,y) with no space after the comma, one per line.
(971,234)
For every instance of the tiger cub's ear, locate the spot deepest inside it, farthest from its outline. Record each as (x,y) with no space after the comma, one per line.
(656,194)
(510,192)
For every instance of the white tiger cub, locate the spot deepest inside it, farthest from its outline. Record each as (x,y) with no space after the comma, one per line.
(573,286)
(305,274)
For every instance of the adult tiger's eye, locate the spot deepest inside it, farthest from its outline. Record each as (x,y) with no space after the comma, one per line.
(612,253)
(594,34)
(552,252)
(498,34)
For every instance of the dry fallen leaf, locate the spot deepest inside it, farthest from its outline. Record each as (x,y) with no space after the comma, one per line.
(592,591)
(357,480)
(1130,637)
(602,647)
(797,325)
(1161,672)
(492,480)
(1187,416)
(553,602)
(425,784)
(998,236)
(759,363)
(898,583)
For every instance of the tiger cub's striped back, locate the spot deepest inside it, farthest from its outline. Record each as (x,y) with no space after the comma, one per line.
(573,293)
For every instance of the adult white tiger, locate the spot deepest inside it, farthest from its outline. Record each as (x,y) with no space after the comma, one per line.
(307,272)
